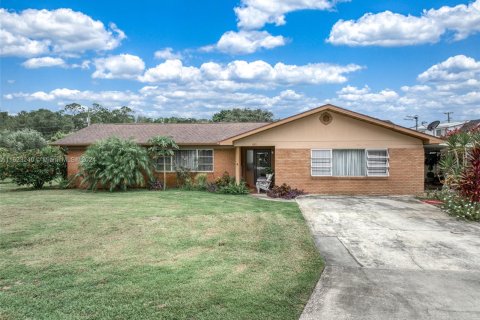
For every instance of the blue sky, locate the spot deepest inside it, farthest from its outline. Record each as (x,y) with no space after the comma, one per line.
(387,59)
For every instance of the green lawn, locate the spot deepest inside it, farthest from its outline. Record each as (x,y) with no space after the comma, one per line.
(72,254)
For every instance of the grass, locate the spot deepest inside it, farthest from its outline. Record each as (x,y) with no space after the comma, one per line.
(73,254)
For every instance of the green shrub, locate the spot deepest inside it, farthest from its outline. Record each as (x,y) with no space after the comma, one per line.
(227,185)
(458,206)
(115,164)
(36,167)
(233,188)
(155,185)
(201,181)
(224,180)
(58,135)
(4,156)
(63,183)
(23,140)
(455,158)
(184,178)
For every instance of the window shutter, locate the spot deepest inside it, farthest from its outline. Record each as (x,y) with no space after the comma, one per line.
(377,162)
(321,162)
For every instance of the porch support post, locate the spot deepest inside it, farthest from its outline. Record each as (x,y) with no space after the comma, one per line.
(238,171)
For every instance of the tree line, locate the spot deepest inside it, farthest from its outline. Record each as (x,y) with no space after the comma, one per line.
(55,124)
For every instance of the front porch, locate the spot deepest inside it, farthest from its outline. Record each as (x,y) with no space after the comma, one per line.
(252,163)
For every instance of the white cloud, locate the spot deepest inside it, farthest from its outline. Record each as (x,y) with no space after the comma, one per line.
(170,70)
(64,95)
(244,42)
(155,100)
(392,29)
(350,93)
(451,85)
(167,54)
(177,89)
(62,31)
(123,66)
(453,69)
(43,62)
(85,64)
(254,14)
(204,90)
(17,45)
(242,74)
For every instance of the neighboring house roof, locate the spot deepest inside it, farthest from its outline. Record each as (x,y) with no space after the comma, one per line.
(426,138)
(444,125)
(182,133)
(472,124)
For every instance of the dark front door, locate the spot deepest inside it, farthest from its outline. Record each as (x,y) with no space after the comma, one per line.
(257,161)
(262,161)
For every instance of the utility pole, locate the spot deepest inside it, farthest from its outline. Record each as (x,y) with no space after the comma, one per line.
(415,117)
(88,116)
(448,115)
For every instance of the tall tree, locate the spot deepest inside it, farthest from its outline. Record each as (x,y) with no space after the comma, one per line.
(179,120)
(79,114)
(162,147)
(83,116)
(44,121)
(243,115)
(7,122)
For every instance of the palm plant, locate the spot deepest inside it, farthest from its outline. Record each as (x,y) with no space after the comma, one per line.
(476,138)
(162,147)
(115,164)
(456,157)
(451,169)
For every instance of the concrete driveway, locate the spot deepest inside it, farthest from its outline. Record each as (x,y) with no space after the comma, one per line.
(392,258)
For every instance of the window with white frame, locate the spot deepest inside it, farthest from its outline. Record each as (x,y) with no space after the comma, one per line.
(164,164)
(377,162)
(205,160)
(321,162)
(195,160)
(349,162)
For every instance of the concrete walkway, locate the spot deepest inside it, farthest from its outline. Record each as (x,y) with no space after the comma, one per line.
(392,258)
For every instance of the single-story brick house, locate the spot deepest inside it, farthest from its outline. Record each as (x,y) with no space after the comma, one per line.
(323,150)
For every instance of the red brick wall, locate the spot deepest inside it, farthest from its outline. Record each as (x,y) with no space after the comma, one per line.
(224,160)
(292,166)
(73,160)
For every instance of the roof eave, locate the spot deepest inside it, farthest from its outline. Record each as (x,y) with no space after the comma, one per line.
(142,144)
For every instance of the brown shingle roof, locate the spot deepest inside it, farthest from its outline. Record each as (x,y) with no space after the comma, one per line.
(470,125)
(182,133)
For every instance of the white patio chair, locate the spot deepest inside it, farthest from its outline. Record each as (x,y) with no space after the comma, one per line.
(264,183)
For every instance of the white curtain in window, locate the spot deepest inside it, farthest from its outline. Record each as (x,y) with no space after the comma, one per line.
(205,160)
(186,159)
(349,163)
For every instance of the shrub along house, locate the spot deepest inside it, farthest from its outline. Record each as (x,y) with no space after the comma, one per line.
(323,150)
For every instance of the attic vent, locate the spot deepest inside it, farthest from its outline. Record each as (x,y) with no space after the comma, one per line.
(326,118)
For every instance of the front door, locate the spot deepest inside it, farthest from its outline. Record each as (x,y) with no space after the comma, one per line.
(257,162)
(262,162)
